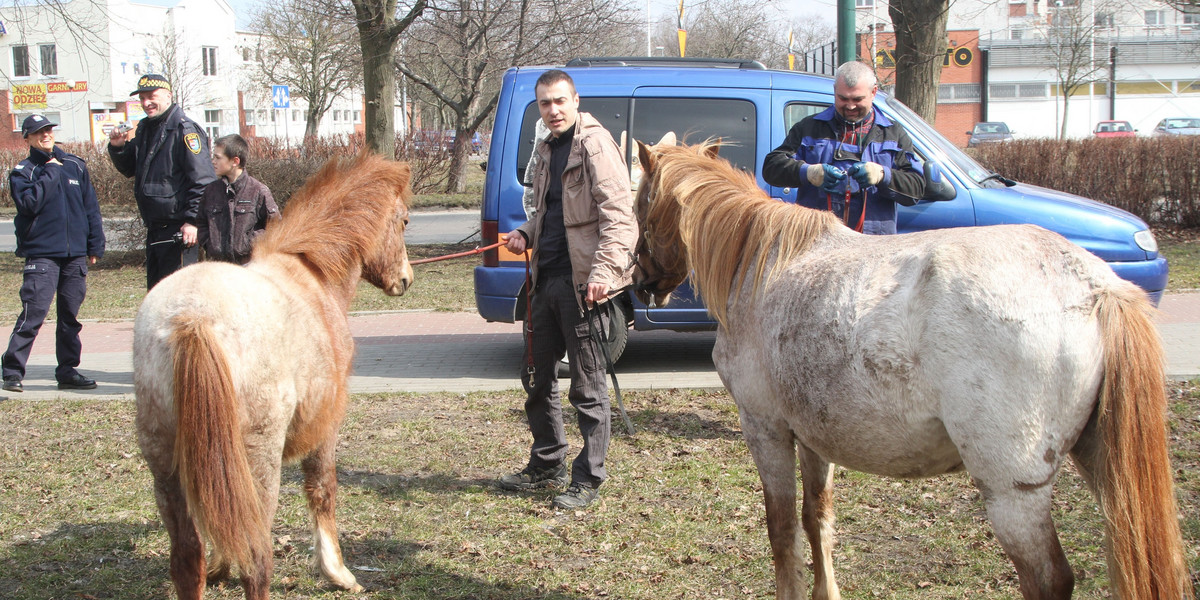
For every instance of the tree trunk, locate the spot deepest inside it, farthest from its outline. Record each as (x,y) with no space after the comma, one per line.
(921,44)
(379,90)
(456,183)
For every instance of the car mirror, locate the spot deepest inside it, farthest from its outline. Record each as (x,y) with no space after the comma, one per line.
(937,188)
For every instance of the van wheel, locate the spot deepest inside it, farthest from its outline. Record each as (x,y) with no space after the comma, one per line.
(618,335)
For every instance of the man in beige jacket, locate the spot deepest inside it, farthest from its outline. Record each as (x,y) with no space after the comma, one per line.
(582,236)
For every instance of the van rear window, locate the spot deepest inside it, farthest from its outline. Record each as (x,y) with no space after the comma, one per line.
(692,119)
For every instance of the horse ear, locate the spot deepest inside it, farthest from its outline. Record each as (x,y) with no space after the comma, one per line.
(645,157)
(711,149)
(668,139)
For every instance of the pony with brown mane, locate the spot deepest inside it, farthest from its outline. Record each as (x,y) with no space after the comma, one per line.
(238,370)
(998,350)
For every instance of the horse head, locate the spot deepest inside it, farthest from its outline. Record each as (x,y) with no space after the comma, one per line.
(662,262)
(387,268)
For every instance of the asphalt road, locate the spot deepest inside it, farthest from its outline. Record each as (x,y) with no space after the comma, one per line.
(442,227)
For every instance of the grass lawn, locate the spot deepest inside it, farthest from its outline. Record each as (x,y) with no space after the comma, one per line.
(681,516)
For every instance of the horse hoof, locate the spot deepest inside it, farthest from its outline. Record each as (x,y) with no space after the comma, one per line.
(355,588)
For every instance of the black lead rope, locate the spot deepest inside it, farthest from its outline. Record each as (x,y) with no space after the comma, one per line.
(601,340)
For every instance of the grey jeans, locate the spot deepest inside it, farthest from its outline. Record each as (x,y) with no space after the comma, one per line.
(558,328)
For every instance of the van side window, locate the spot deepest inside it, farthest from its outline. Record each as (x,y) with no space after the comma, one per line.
(697,119)
(613,114)
(794,113)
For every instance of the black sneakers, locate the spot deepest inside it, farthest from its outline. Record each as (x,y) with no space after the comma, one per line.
(535,477)
(578,496)
(13,384)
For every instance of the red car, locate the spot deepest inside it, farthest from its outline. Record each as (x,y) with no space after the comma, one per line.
(1111,129)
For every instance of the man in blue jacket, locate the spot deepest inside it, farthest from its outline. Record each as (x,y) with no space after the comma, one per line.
(58,233)
(171,165)
(849,159)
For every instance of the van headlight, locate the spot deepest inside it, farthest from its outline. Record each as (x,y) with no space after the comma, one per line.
(1145,240)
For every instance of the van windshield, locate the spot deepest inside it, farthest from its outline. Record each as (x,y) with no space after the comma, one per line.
(935,146)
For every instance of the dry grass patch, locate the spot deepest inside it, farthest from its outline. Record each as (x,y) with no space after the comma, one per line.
(681,516)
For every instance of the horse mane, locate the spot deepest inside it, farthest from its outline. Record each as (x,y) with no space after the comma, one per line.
(728,224)
(335,218)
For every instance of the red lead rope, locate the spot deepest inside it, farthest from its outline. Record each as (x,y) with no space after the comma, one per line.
(529,295)
(456,254)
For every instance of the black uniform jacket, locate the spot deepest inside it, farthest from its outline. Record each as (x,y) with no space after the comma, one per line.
(171,165)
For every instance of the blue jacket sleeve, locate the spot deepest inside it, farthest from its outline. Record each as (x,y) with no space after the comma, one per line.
(780,168)
(91,207)
(29,189)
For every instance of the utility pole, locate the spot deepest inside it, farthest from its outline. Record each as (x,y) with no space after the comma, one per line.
(847,49)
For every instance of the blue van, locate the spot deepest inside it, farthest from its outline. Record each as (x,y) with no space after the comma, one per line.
(751,109)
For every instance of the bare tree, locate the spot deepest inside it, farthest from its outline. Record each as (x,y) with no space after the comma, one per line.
(458,51)
(920,49)
(169,56)
(1070,37)
(742,29)
(305,48)
(379,27)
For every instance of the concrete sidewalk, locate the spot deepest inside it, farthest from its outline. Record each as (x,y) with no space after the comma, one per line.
(424,351)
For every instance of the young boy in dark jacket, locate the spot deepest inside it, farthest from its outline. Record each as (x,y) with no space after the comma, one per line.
(235,208)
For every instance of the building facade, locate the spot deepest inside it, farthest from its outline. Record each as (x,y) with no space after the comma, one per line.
(1006,61)
(78,62)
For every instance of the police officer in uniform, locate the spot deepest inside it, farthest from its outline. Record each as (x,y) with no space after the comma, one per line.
(171,165)
(58,233)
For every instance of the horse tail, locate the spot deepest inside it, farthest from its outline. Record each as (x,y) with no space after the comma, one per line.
(1133,474)
(210,454)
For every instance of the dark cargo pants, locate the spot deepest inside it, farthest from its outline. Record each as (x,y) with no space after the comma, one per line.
(43,278)
(558,328)
(164,255)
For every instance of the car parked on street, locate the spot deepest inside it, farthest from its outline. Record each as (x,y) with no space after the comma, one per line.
(1114,129)
(1177,126)
(751,108)
(989,132)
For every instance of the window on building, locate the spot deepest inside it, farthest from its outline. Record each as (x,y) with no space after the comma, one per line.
(1156,17)
(212,116)
(296,114)
(1016,33)
(864,3)
(358,116)
(958,92)
(20,59)
(1032,90)
(1191,21)
(19,118)
(247,55)
(249,117)
(1104,20)
(335,115)
(213,132)
(262,115)
(346,116)
(1002,90)
(49,56)
(209,55)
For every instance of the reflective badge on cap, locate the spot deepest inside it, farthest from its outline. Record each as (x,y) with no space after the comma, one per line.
(193,142)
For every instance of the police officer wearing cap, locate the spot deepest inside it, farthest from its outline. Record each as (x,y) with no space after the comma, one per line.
(58,233)
(169,159)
